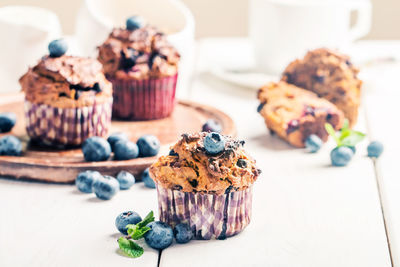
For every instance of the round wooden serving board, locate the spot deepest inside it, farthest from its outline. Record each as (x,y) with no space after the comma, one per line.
(62,166)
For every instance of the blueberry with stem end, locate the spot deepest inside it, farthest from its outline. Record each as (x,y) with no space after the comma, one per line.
(125,150)
(214,143)
(96,149)
(125,179)
(160,236)
(84,181)
(106,187)
(57,48)
(341,156)
(125,218)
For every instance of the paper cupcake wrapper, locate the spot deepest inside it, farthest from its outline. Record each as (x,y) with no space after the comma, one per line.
(144,99)
(66,126)
(209,215)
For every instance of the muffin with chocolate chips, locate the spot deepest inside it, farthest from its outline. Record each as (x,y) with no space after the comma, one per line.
(330,75)
(294,113)
(143,68)
(206,181)
(67,99)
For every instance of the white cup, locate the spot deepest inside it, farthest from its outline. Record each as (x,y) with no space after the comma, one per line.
(26,33)
(96,18)
(282,30)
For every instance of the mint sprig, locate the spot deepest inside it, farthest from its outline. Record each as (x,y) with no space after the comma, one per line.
(135,232)
(346,136)
(130,248)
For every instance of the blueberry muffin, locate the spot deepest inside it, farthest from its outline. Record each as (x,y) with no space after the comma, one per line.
(206,181)
(330,75)
(143,68)
(67,99)
(294,113)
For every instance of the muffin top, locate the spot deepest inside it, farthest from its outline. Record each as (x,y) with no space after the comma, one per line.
(138,54)
(189,167)
(66,82)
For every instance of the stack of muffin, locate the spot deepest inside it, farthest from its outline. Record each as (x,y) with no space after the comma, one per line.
(69,99)
(320,88)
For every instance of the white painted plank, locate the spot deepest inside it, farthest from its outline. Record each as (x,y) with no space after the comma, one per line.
(55,225)
(305,212)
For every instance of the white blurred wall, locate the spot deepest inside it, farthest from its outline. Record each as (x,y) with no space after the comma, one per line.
(227,17)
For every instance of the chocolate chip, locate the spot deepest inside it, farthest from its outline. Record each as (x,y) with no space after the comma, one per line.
(228,189)
(292,126)
(319,78)
(62,95)
(177,187)
(173,153)
(77,94)
(129,59)
(260,107)
(329,116)
(96,88)
(194,183)
(241,163)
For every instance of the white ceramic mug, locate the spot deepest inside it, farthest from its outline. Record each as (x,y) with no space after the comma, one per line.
(282,30)
(26,33)
(96,18)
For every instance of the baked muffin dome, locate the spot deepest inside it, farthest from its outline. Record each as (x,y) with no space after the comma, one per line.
(330,75)
(139,54)
(189,168)
(66,82)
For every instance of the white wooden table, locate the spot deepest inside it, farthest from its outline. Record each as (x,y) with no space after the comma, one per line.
(305,212)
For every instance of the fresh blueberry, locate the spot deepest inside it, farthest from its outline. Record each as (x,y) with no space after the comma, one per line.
(353,148)
(125,218)
(84,181)
(115,137)
(341,156)
(183,233)
(313,143)
(212,126)
(124,150)
(96,149)
(149,145)
(214,143)
(57,48)
(148,182)
(125,179)
(375,149)
(10,146)
(134,23)
(105,187)
(160,236)
(7,121)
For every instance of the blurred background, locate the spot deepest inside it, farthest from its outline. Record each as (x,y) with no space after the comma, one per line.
(209,20)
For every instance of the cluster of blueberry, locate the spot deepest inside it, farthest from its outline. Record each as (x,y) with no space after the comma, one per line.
(9,145)
(105,187)
(160,235)
(342,154)
(98,149)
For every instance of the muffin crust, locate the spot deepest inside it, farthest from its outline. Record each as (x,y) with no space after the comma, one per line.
(66,82)
(190,168)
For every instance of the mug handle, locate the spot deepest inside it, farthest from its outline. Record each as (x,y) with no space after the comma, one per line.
(363,23)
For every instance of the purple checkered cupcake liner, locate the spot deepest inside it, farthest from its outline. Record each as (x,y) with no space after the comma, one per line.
(210,216)
(66,126)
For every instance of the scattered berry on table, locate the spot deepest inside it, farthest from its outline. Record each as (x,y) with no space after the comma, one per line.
(341,156)
(212,126)
(148,182)
(10,146)
(125,218)
(134,23)
(313,143)
(214,143)
(84,181)
(57,48)
(149,145)
(125,150)
(160,236)
(96,149)
(7,121)
(375,149)
(125,179)
(115,137)
(106,187)
(182,232)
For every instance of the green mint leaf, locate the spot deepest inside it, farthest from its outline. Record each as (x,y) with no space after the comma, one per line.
(331,131)
(148,219)
(344,133)
(139,233)
(354,138)
(345,124)
(130,248)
